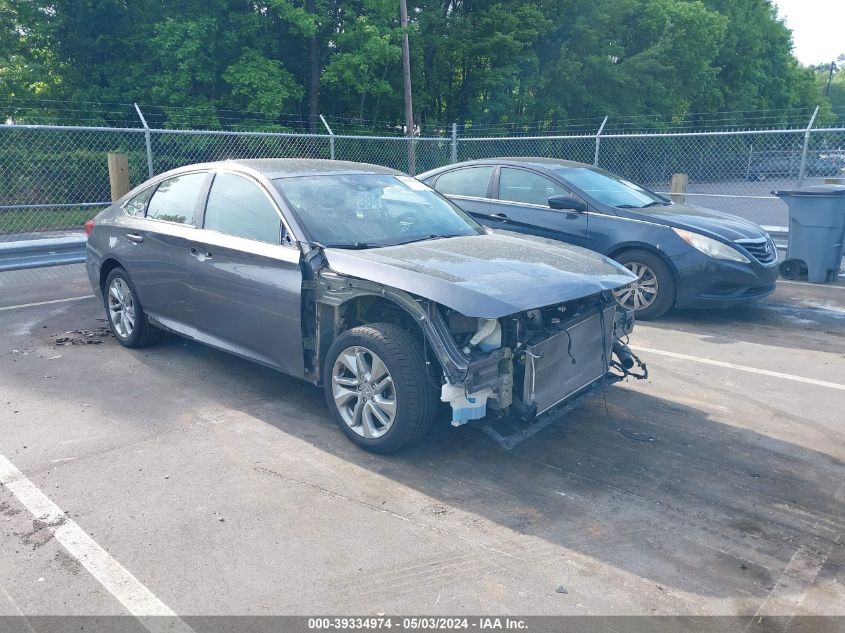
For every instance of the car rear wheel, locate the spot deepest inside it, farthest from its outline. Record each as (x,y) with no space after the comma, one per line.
(377,387)
(126,317)
(653,293)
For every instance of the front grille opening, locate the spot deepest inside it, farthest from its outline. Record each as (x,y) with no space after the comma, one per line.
(763,250)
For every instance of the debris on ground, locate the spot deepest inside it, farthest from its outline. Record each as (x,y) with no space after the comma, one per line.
(561,589)
(83,337)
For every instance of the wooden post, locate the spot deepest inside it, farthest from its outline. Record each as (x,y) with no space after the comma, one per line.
(679,187)
(118,175)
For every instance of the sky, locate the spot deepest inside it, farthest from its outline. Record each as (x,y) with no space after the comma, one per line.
(818,28)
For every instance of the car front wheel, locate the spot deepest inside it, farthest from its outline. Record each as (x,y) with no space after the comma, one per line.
(653,292)
(377,387)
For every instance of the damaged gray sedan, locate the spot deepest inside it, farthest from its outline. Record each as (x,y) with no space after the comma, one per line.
(365,281)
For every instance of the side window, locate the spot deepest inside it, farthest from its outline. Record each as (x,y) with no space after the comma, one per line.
(471,181)
(137,203)
(175,198)
(237,206)
(518,185)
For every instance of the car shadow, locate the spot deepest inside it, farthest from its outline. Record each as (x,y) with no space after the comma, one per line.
(650,486)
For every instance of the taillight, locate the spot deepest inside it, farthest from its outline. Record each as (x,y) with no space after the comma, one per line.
(89,226)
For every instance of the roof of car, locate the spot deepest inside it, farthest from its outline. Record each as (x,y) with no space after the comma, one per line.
(281,167)
(527,161)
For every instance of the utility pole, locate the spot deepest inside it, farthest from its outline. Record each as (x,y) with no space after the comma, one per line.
(830,78)
(313,73)
(406,71)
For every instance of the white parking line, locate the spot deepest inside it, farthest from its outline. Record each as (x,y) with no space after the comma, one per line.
(45,303)
(750,370)
(809,285)
(115,578)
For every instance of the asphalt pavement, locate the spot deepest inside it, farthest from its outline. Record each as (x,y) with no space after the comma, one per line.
(180,479)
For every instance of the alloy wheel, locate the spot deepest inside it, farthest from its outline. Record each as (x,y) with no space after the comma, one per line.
(121,308)
(363,392)
(641,293)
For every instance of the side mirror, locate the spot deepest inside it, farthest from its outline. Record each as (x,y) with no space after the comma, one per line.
(567,203)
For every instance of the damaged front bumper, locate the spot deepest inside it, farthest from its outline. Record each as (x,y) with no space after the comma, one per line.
(546,376)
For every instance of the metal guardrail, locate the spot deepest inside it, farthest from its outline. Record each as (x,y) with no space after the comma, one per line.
(54,251)
(780,234)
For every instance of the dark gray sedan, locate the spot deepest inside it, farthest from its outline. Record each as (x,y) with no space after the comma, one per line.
(684,256)
(365,281)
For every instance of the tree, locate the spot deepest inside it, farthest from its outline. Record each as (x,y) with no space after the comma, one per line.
(473,61)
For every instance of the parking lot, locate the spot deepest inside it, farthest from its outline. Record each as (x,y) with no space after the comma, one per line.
(209,485)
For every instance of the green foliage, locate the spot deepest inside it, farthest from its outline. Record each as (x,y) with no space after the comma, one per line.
(259,84)
(473,61)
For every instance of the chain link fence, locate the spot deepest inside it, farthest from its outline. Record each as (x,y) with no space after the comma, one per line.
(53,178)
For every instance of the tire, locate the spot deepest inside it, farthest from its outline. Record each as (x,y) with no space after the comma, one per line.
(360,401)
(647,266)
(141,333)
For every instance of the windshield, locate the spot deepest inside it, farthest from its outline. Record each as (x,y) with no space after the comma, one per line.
(610,189)
(359,211)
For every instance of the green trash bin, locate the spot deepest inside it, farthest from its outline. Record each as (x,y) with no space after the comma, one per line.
(816,229)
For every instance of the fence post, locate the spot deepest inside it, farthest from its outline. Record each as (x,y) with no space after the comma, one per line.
(806,146)
(147,140)
(118,175)
(598,142)
(454,142)
(750,158)
(331,137)
(678,187)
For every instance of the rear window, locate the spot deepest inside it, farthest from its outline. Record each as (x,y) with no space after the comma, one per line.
(470,181)
(174,199)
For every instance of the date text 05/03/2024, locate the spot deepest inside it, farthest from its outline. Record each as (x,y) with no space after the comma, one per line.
(429,623)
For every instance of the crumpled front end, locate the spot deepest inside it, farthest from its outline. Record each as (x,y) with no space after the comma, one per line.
(528,364)
(521,367)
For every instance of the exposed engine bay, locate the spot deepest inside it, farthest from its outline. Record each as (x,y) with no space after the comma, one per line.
(544,357)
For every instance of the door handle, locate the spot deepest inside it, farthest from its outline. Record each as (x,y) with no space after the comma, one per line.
(499,216)
(135,237)
(202,256)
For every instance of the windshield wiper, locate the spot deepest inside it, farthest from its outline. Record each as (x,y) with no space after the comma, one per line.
(656,203)
(356,246)
(425,238)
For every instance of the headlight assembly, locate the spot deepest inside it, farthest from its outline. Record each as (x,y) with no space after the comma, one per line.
(710,247)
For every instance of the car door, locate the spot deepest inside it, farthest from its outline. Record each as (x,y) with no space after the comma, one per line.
(158,228)
(469,188)
(521,205)
(245,275)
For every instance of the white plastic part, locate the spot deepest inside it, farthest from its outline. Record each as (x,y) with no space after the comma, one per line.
(465,407)
(487,338)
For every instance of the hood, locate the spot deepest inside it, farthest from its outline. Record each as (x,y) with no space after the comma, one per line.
(487,276)
(694,218)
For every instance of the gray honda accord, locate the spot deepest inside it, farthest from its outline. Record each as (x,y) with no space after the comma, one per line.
(367,282)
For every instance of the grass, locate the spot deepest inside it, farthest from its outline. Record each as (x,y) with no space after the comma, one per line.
(44,219)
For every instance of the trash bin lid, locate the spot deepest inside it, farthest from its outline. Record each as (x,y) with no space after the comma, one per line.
(812,190)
